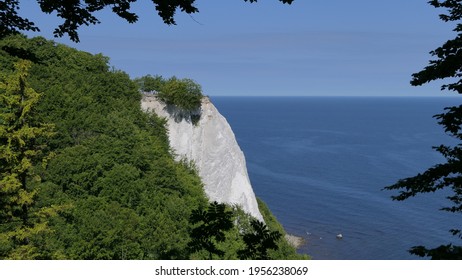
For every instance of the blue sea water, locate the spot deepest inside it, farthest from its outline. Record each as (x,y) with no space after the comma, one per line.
(320,163)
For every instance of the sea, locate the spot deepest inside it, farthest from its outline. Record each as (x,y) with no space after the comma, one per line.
(321,163)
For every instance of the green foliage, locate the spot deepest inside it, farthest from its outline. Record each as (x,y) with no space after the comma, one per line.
(212,225)
(21,146)
(150,83)
(448,65)
(82,12)
(259,241)
(183,97)
(103,229)
(182,93)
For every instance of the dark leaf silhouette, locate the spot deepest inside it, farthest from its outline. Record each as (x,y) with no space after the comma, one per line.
(259,241)
(446,175)
(211,225)
(82,12)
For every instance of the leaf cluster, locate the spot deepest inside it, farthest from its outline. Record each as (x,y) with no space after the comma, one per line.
(212,224)
(82,12)
(185,94)
(259,241)
(10,21)
(149,84)
(449,56)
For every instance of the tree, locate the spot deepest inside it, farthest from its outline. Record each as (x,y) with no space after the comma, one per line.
(448,65)
(21,146)
(258,242)
(211,225)
(150,84)
(183,93)
(82,12)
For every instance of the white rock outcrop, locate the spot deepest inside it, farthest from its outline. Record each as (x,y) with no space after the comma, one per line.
(212,146)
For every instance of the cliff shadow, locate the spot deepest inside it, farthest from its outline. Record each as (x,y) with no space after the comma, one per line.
(179,115)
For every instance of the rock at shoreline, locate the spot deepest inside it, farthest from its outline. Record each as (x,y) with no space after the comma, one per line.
(295,241)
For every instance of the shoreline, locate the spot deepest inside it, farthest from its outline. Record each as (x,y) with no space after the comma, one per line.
(295,241)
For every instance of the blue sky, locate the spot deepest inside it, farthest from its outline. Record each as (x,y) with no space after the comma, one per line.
(322,48)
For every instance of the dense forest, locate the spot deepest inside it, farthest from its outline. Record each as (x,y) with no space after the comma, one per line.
(85,174)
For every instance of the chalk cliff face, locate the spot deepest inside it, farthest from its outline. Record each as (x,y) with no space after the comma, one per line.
(211,144)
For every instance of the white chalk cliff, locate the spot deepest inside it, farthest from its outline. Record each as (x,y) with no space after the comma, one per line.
(212,146)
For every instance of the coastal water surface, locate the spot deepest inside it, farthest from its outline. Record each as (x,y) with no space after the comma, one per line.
(320,163)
